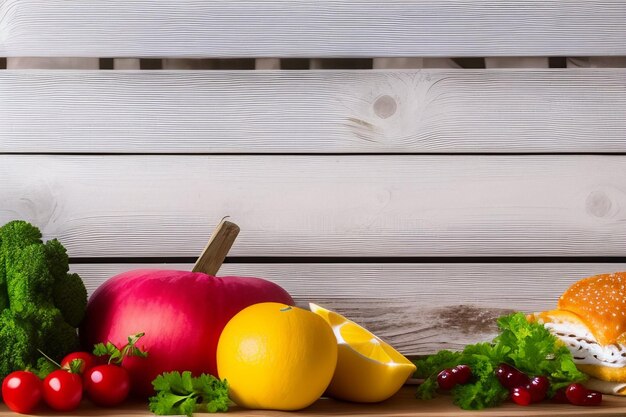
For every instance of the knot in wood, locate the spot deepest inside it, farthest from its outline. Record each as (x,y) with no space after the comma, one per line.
(385,106)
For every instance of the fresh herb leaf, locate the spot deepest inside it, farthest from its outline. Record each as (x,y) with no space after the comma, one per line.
(117,355)
(483,393)
(528,346)
(427,389)
(108,349)
(178,393)
(43,367)
(435,363)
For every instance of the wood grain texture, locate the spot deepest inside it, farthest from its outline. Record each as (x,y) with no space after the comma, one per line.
(313,111)
(403,404)
(418,308)
(311,28)
(386,205)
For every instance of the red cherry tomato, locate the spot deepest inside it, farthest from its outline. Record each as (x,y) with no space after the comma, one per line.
(62,390)
(21,391)
(107,385)
(89,361)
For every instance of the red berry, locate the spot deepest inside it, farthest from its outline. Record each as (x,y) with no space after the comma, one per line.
(461,374)
(445,379)
(593,398)
(576,393)
(538,388)
(521,396)
(510,377)
(501,372)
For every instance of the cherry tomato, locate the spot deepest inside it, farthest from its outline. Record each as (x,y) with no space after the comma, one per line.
(21,391)
(89,361)
(62,390)
(107,385)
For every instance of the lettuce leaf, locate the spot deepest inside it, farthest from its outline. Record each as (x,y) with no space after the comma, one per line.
(527,346)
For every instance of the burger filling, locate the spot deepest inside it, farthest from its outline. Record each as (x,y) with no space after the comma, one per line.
(584,347)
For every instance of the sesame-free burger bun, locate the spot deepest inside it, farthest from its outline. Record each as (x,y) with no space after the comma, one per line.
(591,320)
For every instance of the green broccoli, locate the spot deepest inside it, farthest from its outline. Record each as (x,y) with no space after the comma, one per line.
(41,304)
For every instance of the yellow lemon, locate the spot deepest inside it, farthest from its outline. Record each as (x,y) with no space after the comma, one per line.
(368,369)
(275,356)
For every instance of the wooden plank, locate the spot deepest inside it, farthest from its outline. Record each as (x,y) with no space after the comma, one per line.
(313,111)
(311,28)
(418,308)
(403,63)
(384,205)
(126,64)
(403,404)
(597,62)
(53,63)
(267,64)
(517,62)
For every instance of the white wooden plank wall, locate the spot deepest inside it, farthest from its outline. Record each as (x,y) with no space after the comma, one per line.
(303,205)
(311,28)
(420,166)
(281,112)
(418,308)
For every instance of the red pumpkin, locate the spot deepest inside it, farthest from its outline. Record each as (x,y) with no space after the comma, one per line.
(181,313)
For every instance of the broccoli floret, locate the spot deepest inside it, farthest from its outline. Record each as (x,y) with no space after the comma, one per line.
(41,304)
(70,296)
(16,348)
(69,292)
(55,334)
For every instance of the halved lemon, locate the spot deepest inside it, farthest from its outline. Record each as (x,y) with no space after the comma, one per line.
(368,369)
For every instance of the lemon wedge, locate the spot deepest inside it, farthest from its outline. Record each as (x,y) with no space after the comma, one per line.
(368,369)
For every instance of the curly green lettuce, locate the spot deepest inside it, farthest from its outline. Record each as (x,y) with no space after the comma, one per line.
(529,347)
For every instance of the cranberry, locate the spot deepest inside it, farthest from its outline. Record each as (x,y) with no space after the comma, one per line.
(538,388)
(462,374)
(521,396)
(502,370)
(510,377)
(576,393)
(445,379)
(593,398)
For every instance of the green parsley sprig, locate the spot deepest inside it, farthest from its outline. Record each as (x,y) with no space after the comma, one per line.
(178,393)
(528,346)
(116,355)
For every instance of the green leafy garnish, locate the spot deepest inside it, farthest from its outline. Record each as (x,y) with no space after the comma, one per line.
(43,368)
(117,355)
(178,393)
(527,346)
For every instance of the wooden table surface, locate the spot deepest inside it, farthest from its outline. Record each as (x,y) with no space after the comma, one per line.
(403,404)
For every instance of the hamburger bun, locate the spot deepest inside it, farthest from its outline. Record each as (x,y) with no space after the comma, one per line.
(590,319)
